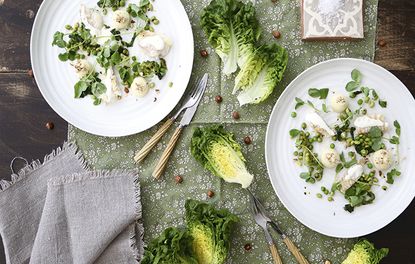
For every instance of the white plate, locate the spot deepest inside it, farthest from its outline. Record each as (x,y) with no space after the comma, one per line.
(325,217)
(128,116)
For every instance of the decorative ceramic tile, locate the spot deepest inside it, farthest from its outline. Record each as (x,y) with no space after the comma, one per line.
(332,19)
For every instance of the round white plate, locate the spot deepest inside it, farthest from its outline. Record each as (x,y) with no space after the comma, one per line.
(325,217)
(129,115)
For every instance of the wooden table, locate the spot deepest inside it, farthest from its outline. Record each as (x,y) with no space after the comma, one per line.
(24,112)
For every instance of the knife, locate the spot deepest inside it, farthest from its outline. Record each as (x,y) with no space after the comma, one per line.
(184,122)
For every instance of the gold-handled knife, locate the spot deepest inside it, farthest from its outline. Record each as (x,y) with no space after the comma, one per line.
(262,219)
(185,121)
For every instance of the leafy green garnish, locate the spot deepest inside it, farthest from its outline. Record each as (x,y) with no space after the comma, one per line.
(364,252)
(318,93)
(114,4)
(294,132)
(390,175)
(58,40)
(383,104)
(89,85)
(356,80)
(299,103)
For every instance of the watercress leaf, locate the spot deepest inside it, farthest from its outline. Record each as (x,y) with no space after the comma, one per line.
(342,159)
(115,58)
(71,55)
(356,76)
(351,86)
(97,101)
(397,127)
(375,95)
(394,140)
(298,100)
(377,144)
(348,208)
(365,91)
(324,107)
(355,200)
(339,167)
(63,56)
(383,103)
(80,87)
(305,175)
(323,93)
(314,92)
(98,89)
(58,40)
(350,163)
(298,105)
(310,103)
(375,132)
(294,132)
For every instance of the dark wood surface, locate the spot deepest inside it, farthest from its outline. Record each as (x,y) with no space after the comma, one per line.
(24,113)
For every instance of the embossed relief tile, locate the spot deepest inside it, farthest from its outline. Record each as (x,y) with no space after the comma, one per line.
(332,19)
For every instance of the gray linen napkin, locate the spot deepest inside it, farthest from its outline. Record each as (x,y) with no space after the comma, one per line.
(59,212)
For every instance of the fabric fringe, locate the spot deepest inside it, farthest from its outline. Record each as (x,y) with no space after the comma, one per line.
(138,228)
(35,164)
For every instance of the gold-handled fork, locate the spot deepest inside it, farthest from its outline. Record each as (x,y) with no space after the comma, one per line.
(261,218)
(190,105)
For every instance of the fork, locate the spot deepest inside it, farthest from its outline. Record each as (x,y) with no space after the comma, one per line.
(194,94)
(262,220)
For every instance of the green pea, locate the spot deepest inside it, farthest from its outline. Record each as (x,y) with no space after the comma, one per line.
(363,111)
(352,95)
(319,139)
(375,180)
(343,135)
(360,102)
(156,21)
(303,125)
(334,138)
(319,195)
(367,99)
(293,114)
(330,199)
(370,165)
(371,174)
(122,3)
(371,104)
(151,85)
(384,188)
(295,153)
(332,146)
(68,27)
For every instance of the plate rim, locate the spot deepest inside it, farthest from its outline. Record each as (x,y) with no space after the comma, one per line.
(121,132)
(267,139)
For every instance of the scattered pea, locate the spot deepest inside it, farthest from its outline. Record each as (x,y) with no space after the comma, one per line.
(293,114)
(330,199)
(319,195)
(384,188)
(170,84)
(370,165)
(303,125)
(360,102)
(332,146)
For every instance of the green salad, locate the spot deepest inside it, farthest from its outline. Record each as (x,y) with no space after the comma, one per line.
(360,146)
(100,46)
(205,240)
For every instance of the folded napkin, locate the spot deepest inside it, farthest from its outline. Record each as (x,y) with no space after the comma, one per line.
(58,211)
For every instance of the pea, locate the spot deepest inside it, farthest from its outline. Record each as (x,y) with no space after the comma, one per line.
(367,99)
(333,138)
(295,153)
(151,85)
(384,188)
(307,134)
(151,29)
(68,27)
(371,174)
(330,199)
(319,195)
(352,95)
(371,104)
(293,114)
(122,3)
(156,21)
(364,152)
(360,102)
(375,180)
(319,139)
(363,111)
(303,125)
(370,165)
(343,135)
(332,146)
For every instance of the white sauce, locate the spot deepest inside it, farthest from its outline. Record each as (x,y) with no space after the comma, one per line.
(113,89)
(339,102)
(352,175)
(319,124)
(366,121)
(139,87)
(154,45)
(91,17)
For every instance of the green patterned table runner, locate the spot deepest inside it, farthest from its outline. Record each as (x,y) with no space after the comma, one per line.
(163,202)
